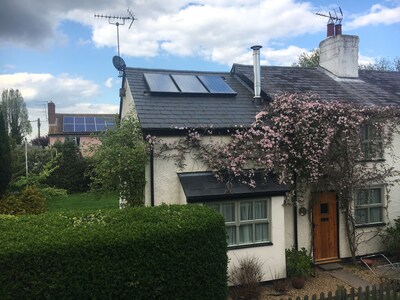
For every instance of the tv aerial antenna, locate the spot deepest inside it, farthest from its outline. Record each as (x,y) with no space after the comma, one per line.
(117,21)
(334,16)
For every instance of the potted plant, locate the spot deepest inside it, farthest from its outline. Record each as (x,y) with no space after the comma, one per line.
(298,266)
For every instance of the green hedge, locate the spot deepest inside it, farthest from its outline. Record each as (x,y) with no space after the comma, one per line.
(165,252)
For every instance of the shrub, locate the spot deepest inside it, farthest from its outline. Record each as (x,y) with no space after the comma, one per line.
(29,201)
(298,263)
(391,239)
(166,252)
(245,278)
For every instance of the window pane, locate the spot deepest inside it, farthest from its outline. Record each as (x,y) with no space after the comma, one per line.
(260,209)
(228,211)
(214,206)
(375,195)
(246,234)
(246,211)
(375,215)
(231,232)
(361,216)
(361,197)
(261,232)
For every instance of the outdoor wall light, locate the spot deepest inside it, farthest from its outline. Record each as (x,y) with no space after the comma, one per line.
(302,211)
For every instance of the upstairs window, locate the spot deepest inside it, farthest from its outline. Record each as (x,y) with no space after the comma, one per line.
(247,222)
(371,143)
(369,206)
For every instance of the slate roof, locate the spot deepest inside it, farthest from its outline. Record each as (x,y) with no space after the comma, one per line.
(164,113)
(371,88)
(203,186)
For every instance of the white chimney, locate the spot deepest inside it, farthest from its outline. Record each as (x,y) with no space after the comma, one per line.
(339,55)
(257,72)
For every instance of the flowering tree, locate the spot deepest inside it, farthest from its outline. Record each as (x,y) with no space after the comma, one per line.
(309,144)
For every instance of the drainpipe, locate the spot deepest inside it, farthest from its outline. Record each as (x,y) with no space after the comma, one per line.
(296,235)
(151,177)
(257,73)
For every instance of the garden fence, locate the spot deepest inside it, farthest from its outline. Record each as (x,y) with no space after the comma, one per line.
(382,292)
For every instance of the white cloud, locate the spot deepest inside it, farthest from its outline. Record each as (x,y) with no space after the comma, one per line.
(109,82)
(46,87)
(378,14)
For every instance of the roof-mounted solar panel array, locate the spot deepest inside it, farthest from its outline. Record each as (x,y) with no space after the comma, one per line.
(87,124)
(188,84)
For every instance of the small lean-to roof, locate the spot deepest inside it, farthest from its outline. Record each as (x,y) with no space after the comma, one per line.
(162,113)
(203,186)
(370,88)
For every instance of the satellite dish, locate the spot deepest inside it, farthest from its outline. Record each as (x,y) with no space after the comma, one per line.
(119,63)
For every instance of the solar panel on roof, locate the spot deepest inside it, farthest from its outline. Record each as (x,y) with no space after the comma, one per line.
(160,83)
(216,85)
(189,84)
(87,124)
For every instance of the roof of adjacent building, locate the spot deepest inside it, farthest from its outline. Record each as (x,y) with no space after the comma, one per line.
(57,129)
(167,112)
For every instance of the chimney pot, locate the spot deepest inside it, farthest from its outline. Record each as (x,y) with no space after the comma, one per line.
(338,29)
(257,72)
(330,29)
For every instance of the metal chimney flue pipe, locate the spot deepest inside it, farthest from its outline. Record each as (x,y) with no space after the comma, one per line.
(257,72)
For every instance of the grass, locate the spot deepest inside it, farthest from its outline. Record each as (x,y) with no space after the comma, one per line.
(83,202)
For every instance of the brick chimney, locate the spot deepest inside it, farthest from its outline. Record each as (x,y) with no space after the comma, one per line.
(339,55)
(51,112)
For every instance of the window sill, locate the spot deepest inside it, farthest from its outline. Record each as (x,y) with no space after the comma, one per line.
(234,247)
(373,160)
(380,224)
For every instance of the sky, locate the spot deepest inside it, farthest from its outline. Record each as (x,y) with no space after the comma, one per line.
(56,50)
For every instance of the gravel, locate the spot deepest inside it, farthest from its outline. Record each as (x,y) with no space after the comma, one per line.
(323,282)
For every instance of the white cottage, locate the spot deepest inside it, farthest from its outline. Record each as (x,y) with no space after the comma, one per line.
(257,221)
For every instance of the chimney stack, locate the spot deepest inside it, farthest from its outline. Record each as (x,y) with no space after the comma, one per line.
(257,72)
(338,29)
(330,29)
(339,55)
(51,112)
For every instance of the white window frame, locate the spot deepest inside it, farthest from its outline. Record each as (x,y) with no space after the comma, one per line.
(371,143)
(368,206)
(237,223)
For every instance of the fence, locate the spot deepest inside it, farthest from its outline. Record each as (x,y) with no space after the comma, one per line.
(382,292)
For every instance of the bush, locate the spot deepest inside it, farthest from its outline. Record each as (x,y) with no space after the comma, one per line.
(166,252)
(29,201)
(298,263)
(391,239)
(246,278)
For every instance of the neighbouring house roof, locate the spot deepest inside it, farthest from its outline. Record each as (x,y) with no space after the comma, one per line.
(371,87)
(203,186)
(80,124)
(163,113)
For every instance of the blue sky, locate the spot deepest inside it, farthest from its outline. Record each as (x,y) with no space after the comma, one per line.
(55,50)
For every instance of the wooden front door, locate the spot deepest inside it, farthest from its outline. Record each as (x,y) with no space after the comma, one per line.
(325,227)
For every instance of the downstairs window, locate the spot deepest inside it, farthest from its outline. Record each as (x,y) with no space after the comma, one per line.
(369,206)
(247,221)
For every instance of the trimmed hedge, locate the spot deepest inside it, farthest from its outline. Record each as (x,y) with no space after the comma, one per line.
(29,201)
(165,252)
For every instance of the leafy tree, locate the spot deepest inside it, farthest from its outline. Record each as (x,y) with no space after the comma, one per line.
(5,154)
(309,144)
(15,115)
(42,141)
(119,162)
(311,60)
(70,167)
(308,60)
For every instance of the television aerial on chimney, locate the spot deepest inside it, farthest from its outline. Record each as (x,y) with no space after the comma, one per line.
(335,17)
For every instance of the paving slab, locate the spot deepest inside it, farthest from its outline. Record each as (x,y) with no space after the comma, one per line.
(330,267)
(350,278)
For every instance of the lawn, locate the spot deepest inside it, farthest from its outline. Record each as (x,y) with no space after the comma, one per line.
(83,201)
